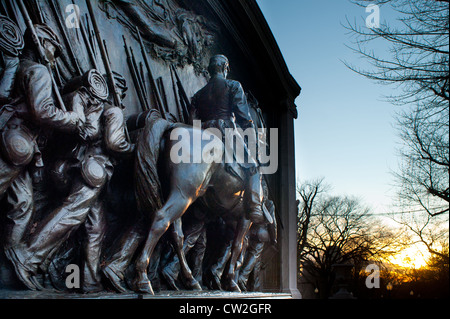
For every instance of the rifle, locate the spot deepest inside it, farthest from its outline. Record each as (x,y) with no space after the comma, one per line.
(109,74)
(186,105)
(141,73)
(162,89)
(175,94)
(107,65)
(3,10)
(139,76)
(157,96)
(54,6)
(41,53)
(88,45)
(137,83)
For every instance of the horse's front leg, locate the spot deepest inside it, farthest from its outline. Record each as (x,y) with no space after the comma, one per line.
(241,230)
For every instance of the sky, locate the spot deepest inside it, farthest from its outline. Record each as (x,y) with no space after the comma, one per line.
(345,132)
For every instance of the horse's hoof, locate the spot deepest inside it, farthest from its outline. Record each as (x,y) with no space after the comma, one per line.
(142,285)
(144,288)
(195,285)
(232,286)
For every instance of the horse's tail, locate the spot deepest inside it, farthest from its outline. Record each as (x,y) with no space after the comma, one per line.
(148,186)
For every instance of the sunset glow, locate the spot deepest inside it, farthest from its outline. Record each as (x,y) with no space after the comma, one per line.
(412,257)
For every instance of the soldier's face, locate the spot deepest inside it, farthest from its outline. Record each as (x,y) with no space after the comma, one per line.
(50,51)
(226,70)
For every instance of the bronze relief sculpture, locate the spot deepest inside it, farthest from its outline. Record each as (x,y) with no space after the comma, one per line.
(76,134)
(176,33)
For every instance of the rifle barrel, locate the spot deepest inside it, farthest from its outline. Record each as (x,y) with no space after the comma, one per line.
(153,84)
(54,8)
(109,73)
(41,52)
(186,105)
(107,65)
(136,80)
(177,101)
(88,45)
(162,89)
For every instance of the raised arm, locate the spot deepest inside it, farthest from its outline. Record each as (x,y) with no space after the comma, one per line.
(37,87)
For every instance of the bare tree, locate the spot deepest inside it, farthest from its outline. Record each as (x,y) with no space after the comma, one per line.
(341,230)
(431,231)
(419,54)
(417,63)
(308,192)
(439,264)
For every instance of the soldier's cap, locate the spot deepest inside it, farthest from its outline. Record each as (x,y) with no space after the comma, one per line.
(11,39)
(44,32)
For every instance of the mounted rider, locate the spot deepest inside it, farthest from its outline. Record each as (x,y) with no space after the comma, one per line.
(222,104)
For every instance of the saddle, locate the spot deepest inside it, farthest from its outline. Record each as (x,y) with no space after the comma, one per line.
(236,167)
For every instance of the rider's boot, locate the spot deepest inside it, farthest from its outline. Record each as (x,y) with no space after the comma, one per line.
(253,197)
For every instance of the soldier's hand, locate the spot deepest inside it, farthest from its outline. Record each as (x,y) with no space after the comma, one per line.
(94,108)
(81,130)
(37,175)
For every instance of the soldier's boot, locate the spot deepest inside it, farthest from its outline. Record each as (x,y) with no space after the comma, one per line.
(23,271)
(115,277)
(116,266)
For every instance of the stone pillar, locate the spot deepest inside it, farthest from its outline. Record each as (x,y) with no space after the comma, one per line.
(288,207)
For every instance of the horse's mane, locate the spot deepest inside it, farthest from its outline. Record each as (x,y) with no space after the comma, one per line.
(148,186)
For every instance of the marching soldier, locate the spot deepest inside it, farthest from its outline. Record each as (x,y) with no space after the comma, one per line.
(84,166)
(24,123)
(11,45)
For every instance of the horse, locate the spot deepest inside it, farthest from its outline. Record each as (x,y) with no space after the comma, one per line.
(197,224)
(185,182)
